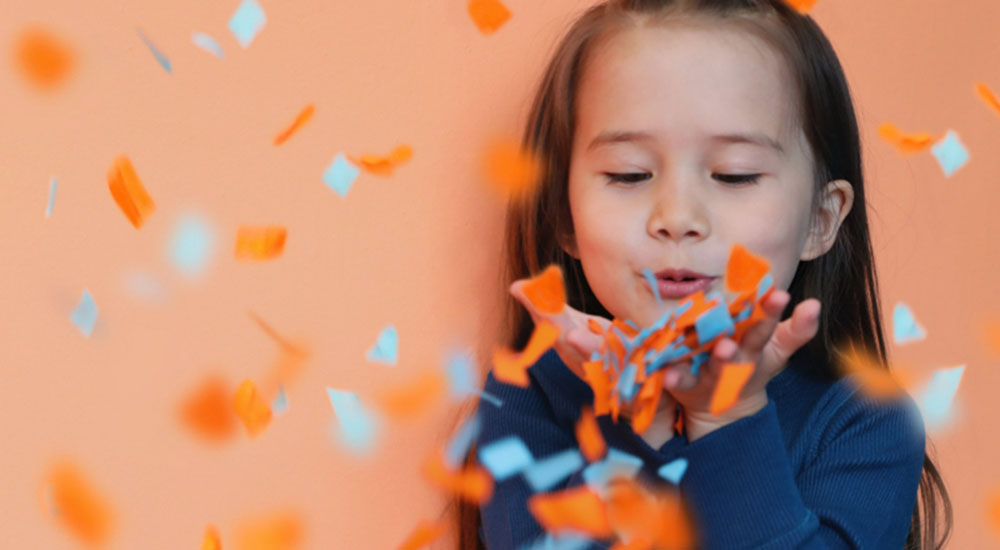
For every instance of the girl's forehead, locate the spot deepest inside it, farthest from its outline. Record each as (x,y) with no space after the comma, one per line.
(686,81)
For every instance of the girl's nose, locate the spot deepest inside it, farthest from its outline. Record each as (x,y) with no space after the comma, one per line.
(678,212)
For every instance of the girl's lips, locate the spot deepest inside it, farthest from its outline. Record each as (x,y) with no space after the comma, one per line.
(675,290)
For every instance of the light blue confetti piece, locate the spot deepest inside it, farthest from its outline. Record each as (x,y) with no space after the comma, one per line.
(697,360)
(565,539)
(280,403)
(84,316)
(616,464)
(340,175)
(683,306)
(161,58)
(712,323)
(356,427)
(626,383)
(207,43)
(191,245)
(904,325)
(53,184)
(505,457)
(247,22)
(654,285)
(386,347)
(547,472)
(765,284)
(935,401)
(950,153)
(463,378)
(744,314)
(459,445)
(674,470)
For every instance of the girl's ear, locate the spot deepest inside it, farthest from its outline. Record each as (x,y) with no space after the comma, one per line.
(835,203)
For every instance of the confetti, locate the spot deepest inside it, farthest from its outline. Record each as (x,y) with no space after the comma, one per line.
(544,474)
(423,534)
(43,59)
(649,519)
(211,540)
(579,509)
(357,428)
(84,316)
(866,370)
(727,390)
(988,97)
(588,434)
(207,43)
(990,332)
(128,192)
(654,286)
(616,465)
(993,511)
(280,403)
(191,245)
(281,531)
(906,143)
(459,445)
(77,504)
(488,15)
(904,325)
(564,540)
(247,22)
(471,483)
(340,175)
(386,347)
(802,6)
(207,411)
(505,457)
(260,243)
(299,121)
(384,165)
(53,184)
(251,408)
(950,153)
(409,400)
(512,368)
(161,58)
(674,470)
(546,291)
(511,170)
(936,399)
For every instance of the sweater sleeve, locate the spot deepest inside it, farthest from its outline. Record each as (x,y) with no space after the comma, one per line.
(858,490)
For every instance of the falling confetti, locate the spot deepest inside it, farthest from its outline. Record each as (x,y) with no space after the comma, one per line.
(260,243)
(384,165)
(512,368)
(386,347)
(208,413)
(727,390)
(53,184)
(207,43)
(488,15)
(472,483)
(84,316)
(406,401)
(950,153)
(280,531)
(191,245)
(78,505)
(588,435)
(43,59)
(247,22)
(802,6)
(936,399)
(906,143)
(161,57)
(674,470)
(299,122)
(545,473)
(128,192)
(905,328)
(340,175)
(546,291)
(578,509)
(988,97)
(211,540)
(505,457)
(357,428)
(511,170)
(251,408)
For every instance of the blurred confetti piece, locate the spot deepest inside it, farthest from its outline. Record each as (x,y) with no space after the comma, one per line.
(43,59)
(247,22)
(505,457)
(950,153)
(423,534)
(207,43)
(357,427)
(386,347)
(84,316)
(207,411)
(260,242)
(53,184)
(471,483)
(564,540)
(727,389)
(385,165)
(904,325)
(802,6)
(211,540)
(129,193)
(579,509)
(299,121)
(340,175)
(251,408)
(906,143)
(408,400)
(546,291)
(488,15)
(77,504)
(510,169)
(654,287)
(988,97)
(616,465)
(280,403)
(161,58)
(744,270)
(588,434)
(991,336)
(282,531)
(460,443)
(936,399)
(191,245)
(544,474)
(993,511)
(674,470)
(512,368)
(464,379)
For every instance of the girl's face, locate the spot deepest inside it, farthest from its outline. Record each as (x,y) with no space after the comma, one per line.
(701,125)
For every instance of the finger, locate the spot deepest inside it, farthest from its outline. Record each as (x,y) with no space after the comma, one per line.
(584,341)
(757,336)
(679,378)
(792,334)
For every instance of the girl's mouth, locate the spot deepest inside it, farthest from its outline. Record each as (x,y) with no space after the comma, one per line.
(671,289)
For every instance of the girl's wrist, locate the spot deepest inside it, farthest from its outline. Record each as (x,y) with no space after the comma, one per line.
(700,424)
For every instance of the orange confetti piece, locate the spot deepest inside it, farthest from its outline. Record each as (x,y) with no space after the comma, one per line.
(300,121)
(472,483)
(425,533)
(511,170)
(277,532)
(488,15)
(546,291)
(77,505)
(579,508)
(251,408)
(128,192)
(993,511)
(874,379)
(594,326)
(601,384)
(988,97)
(411,399)
(211,540)
(802,6)
(260,243)
(512,367)
(991,335)
(727,390)
(649,397)
(384,165)
(289,364)
(588,433)
(744,271)
(650,519)
(44,60)
(906,143)
(207,412)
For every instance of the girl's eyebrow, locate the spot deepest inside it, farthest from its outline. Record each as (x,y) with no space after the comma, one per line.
(618,136)
(761,140)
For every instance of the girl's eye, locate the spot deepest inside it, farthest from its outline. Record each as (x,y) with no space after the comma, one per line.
(632,177)
(737,178)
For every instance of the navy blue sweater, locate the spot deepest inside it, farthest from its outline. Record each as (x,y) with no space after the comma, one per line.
(822,466)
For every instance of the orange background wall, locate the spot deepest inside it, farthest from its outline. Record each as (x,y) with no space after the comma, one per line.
(417,249)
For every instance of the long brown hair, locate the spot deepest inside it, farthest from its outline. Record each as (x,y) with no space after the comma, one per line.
(843,279)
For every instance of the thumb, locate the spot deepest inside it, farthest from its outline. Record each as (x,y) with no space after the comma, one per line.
(791,334)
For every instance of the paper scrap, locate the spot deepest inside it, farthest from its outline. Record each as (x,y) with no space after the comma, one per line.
(299,122)
(950,153)
(512,368)
(259,243)
(211,540)
(579,509)
(729,385)
(905,143)
(207,412)
(191,245)
(488,15)
(277,531)
(423,534)
(905,328)
(247,22)
(384,165)
(588,434)
(53,184)
(78,505)
(161,57)
(505,457)
(935,401)
(43,59)
(386,347)
(84,316)
(129,193)
(510,169)
(545,291)
(357,428)
(340,174)
(674,470)
(545,473)
(207,43)
(251,408)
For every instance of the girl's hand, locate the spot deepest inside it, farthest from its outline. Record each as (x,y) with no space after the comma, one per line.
(767,345)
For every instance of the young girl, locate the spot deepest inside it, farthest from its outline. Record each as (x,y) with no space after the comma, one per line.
(672,130)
